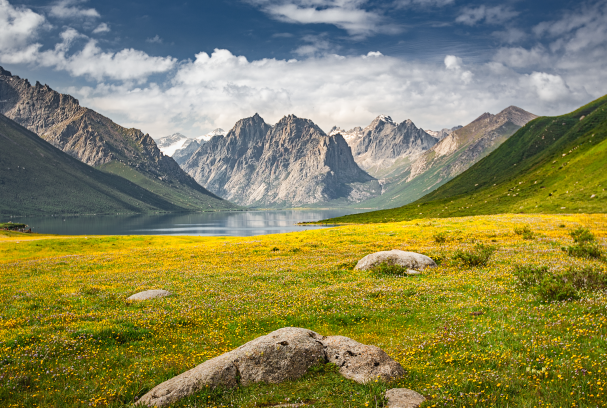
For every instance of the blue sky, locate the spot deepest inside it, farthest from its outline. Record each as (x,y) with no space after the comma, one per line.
(191,66)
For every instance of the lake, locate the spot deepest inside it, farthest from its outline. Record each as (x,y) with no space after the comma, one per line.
(244,223)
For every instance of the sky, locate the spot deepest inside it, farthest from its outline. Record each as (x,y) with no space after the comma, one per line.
(193,66)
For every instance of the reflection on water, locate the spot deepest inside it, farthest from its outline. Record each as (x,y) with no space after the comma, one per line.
(212,224)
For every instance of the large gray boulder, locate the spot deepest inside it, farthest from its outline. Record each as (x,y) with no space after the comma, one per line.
(403,398)
(149,294)
(285,354)
(360,362)
(410,260)
(282,355)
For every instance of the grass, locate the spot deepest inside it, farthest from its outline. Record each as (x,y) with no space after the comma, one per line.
(466,335)
(553,165)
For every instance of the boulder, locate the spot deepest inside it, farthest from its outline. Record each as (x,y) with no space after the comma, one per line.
(360,362)
(284,354)
(149,294)
(414,262)
(403,398)
(219,371)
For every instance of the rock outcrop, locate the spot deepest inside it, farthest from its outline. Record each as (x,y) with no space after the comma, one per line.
(410,260)
(360,362)
(284,354)
(403,398)
(149,294)
(292,163)
(384,146)
(97,141)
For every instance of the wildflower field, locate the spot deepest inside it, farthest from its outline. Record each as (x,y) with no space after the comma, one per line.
(476,331)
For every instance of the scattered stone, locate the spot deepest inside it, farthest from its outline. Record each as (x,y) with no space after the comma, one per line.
(414,262)
(149,294)
(582,117)
(403,398)
(592,196)
(360,362)
(285,354)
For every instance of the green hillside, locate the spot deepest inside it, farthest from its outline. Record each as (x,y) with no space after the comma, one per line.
(37,178)
(551,165)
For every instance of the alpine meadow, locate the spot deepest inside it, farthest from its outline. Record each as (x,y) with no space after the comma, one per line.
(303,204)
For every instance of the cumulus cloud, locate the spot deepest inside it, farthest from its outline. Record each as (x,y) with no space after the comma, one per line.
(488,15)
(349,15)
(71,9)
(101,28)
(216,90)
(19,27)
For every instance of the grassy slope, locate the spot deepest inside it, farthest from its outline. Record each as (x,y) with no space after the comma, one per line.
(551,165)
(188,196)
(49,181)
(69,339)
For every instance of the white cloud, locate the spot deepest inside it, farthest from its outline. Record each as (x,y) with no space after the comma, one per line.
(156,39)
(19,27)
(101,28)
(549,87)
(489,15)
(217,90)
(422,3)
(510,35)
(316,45)
(349,15)
(70,9)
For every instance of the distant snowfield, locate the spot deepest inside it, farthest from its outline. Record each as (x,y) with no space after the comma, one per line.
(171,144)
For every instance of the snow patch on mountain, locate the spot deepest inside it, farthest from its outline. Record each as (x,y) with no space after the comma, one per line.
(209,136)
(170,144)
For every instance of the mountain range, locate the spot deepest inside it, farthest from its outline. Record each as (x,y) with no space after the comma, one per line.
(293,163)
(449,157)
(97,141)
(550,165)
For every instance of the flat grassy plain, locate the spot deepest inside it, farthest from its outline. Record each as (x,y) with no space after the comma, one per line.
(467,336)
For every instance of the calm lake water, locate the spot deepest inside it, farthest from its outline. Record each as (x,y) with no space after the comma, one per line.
(213,224)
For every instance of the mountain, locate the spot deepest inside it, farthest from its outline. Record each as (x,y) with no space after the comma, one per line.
(170,144)
(210,135)
(97,141)
(441,134)
(36,178)
(187,150)
(292,163)
(450,157)
(384,148)
(550,165)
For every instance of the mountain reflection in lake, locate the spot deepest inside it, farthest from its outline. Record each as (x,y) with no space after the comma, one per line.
(212,224)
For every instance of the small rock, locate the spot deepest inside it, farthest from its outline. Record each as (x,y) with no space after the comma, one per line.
(592,196)
(360,362)
(410,260)
(403,398)
(149,294)
(582,117)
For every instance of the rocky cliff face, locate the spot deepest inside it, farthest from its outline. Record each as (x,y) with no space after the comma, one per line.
(94,139)
(189,148)
(293,163)
(383,147)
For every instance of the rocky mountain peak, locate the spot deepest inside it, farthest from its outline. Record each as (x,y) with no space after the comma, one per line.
(4,72)
(484,116)
(291,163)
